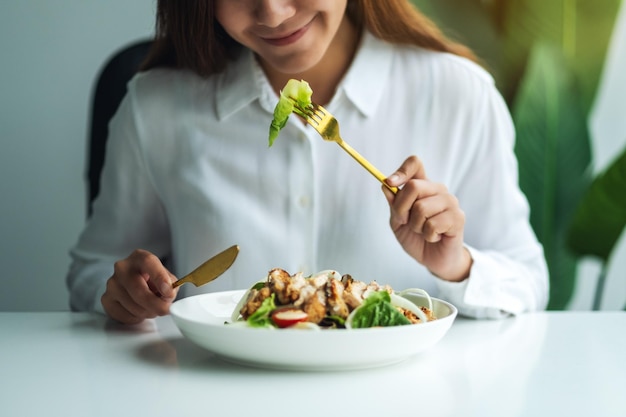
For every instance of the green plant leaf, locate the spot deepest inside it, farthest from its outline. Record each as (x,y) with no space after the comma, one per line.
(554,155)
(503,33)
(600,218)
(582,29)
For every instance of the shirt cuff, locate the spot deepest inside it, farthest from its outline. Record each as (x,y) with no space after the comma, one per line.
(479,296)
(97,303)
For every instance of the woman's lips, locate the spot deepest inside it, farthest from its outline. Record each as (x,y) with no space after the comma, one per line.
(289,39)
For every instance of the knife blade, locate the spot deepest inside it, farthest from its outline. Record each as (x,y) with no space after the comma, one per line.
(210,269)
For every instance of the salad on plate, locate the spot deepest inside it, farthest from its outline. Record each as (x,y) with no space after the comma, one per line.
(327,300)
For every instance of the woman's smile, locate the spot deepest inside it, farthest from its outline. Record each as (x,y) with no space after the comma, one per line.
(289,38)
(292,36)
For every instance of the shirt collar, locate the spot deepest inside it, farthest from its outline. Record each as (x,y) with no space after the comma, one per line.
(364,84)
(242,83)
(366,80)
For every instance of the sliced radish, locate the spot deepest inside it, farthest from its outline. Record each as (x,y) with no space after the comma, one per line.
(286,317)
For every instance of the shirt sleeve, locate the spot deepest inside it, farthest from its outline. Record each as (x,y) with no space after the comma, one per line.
(509,273)
(126,215)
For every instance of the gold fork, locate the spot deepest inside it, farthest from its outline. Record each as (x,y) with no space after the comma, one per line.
(328,127)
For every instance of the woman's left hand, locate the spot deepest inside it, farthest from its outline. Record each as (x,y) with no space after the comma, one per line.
(428,222)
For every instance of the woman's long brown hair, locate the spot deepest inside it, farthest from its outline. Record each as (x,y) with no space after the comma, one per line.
(188,36)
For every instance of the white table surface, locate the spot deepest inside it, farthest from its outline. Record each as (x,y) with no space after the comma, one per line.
(543,364)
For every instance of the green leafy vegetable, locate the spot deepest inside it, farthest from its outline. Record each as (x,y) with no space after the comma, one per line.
(377,310)
(258,285)
(295,93)
(261,317)
(334,322)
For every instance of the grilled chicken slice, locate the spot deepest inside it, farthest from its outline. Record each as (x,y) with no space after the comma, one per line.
(315,307)
(286,287)
(413,317)
(255,299)
(335,304)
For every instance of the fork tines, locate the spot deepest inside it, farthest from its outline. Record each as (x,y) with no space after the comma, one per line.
(318,112)
(312,114)
(301,111)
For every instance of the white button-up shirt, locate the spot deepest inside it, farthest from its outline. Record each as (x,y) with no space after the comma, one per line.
(189,172)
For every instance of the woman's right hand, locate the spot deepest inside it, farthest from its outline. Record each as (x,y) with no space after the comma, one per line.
(140,288)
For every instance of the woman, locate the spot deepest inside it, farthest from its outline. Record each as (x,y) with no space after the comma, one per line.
(188,171)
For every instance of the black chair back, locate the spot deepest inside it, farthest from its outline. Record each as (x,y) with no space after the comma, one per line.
(109,90)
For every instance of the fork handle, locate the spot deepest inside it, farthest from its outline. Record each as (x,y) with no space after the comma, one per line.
(367,165)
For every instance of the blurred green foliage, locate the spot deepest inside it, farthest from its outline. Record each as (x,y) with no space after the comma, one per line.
(553,149)
(546,57)
(600,218)
(503,32)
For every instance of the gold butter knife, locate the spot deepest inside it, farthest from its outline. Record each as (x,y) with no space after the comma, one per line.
(211,269)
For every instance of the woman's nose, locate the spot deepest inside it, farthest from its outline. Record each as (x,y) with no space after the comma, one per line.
(272,13)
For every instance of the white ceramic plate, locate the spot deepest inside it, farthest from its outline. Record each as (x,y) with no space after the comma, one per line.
(201,319)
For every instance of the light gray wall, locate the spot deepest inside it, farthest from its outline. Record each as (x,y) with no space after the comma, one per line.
(50,52)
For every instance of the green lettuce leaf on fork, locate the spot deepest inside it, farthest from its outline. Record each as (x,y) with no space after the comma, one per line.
(294,93)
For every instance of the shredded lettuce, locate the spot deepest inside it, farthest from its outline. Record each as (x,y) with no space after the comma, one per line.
(377,311)
(294,93)
(261,317)
(259,285)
